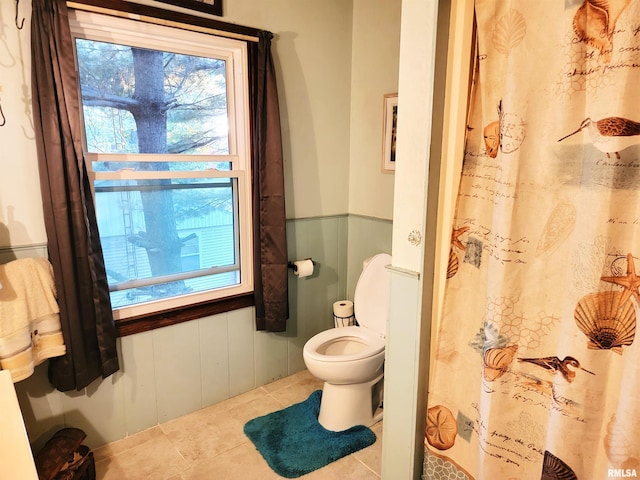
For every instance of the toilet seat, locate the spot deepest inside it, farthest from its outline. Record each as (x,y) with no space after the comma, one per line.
(371,299)
(329,346)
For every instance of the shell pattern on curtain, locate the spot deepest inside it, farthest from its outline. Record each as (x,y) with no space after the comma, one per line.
(537,368)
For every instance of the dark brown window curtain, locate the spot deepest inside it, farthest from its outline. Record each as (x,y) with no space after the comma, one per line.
(73,242)
(269,223)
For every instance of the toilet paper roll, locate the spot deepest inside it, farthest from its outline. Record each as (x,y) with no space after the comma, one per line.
(304,268)
(343,308)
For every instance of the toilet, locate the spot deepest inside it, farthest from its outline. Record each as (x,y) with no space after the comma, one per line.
(350,359)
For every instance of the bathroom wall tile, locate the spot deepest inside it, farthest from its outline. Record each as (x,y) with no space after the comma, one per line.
(241,327)
(98,410)
(176,351)
(271,356)
(138,381)
(214,358)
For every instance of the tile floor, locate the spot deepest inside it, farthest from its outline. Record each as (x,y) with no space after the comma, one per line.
(210,443)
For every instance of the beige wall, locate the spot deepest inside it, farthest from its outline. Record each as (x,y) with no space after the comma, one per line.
(312,52)
(374,67)
(335,59)
(21,221)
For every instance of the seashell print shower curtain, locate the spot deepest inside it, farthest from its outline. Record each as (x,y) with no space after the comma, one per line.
(536,373)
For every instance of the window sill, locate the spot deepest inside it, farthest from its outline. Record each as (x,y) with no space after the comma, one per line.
(145,323)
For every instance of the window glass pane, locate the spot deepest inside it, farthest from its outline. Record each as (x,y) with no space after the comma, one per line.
(175,223)
(168,237)
(138,100)
(113,165)
(142,294)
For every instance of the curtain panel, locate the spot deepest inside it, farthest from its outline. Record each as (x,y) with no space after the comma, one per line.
(269,222)
(70,222)
(536,369)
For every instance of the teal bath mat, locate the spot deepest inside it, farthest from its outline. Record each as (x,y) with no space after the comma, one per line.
(293,442)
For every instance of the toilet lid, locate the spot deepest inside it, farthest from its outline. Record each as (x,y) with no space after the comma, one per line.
(371,299)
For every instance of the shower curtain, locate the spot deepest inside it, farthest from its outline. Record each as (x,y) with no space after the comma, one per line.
(536,373)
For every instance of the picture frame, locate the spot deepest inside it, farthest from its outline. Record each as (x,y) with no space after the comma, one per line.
(390,122)
(214,7)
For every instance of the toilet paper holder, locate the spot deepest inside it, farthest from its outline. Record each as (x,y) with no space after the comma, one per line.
(294,267)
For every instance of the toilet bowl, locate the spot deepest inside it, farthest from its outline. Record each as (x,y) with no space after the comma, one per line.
(350,360)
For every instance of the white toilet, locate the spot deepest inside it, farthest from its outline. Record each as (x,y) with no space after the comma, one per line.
(350,360)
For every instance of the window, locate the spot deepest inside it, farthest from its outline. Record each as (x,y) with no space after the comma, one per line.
(165,125)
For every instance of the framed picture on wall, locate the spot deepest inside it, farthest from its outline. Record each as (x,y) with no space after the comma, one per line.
(390,119)
(213,7)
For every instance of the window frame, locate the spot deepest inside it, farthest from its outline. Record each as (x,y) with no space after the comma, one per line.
(132,31)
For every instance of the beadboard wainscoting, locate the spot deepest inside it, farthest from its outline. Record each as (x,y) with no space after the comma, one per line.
(175,370)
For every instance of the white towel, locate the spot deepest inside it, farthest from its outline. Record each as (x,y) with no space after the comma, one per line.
(29,316)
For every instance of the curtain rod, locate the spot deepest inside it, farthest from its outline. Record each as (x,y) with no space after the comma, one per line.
(160,21)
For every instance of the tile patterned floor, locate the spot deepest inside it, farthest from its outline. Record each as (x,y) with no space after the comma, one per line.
(210,443)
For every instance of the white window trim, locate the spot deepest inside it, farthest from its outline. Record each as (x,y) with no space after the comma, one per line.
(95,26)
